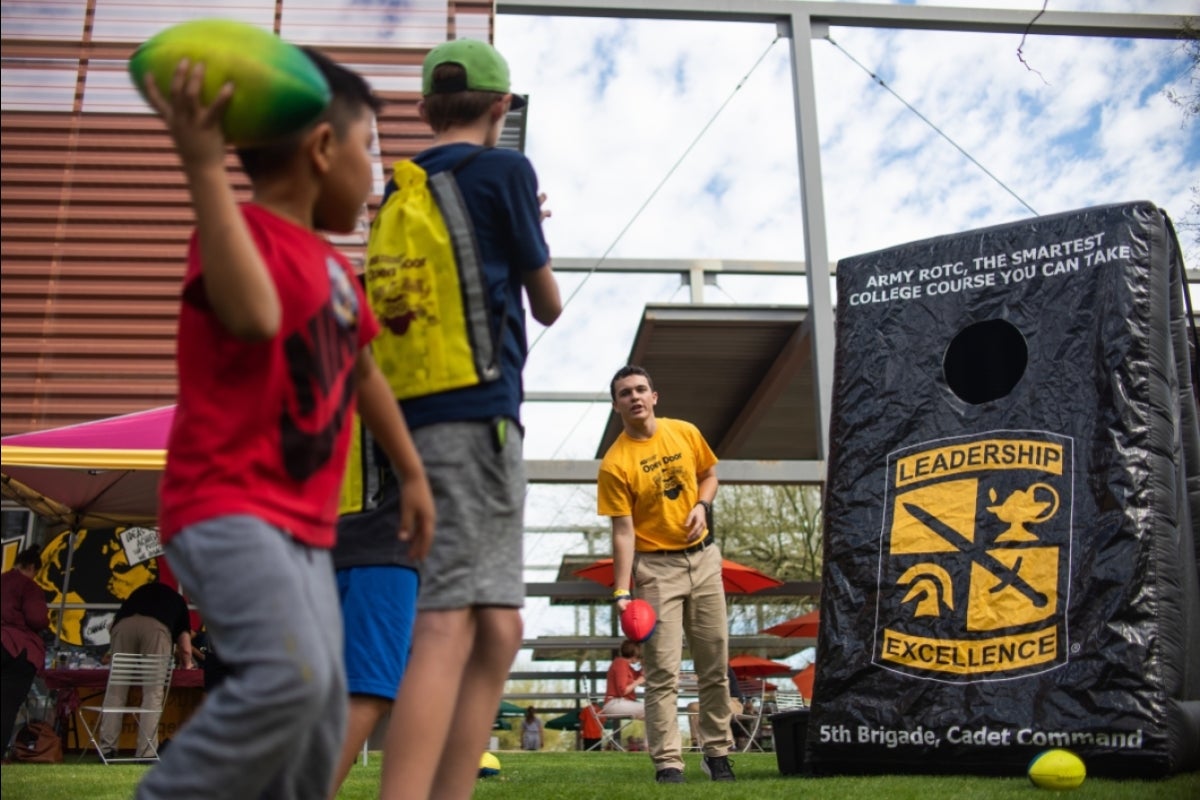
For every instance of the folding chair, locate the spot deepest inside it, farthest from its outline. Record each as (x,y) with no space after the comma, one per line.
(128,670)
(784,701)
(752,690)
(789,701)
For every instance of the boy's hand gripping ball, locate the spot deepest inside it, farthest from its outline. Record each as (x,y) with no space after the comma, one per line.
(638,620)
(277,88)
(1057,769)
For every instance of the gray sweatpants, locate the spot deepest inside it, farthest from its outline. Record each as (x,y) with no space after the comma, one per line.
(274,727)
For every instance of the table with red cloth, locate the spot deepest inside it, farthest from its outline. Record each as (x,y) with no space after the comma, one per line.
(76,687)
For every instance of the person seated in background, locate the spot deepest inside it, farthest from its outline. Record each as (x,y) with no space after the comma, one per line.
(152,621)
(743,724)
(622,682)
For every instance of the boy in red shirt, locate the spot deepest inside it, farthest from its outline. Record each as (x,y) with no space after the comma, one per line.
(273,335)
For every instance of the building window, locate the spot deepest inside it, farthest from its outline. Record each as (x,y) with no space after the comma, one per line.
(38,85)
(407,23)
(37,19)
(138,20)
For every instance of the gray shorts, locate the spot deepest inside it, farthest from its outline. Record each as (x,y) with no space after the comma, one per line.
(477,557)
(274,726)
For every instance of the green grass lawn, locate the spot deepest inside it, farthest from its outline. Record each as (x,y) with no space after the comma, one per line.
(604,776)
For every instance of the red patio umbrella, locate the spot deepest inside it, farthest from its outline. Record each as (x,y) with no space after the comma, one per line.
(738,578)
(804,681)
(803,626)
(757,667)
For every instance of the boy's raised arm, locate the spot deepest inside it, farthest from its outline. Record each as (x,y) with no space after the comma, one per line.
(238,287)
(545,302)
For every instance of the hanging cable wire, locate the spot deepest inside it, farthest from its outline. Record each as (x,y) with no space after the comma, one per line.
(936,129)
(660,185)
(562,443)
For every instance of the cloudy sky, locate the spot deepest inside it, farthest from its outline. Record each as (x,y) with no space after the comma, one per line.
(614,104)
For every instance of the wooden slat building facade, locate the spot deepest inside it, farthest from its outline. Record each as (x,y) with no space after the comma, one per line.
(95,215)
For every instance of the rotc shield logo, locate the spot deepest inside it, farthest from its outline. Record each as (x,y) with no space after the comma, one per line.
(975,557)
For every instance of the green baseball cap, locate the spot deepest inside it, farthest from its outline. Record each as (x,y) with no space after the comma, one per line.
(486,69)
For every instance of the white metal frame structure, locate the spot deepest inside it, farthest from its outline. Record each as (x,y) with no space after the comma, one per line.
(802,22)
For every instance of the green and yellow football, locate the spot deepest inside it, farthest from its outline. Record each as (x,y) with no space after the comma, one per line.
(277,88)
(1057,769)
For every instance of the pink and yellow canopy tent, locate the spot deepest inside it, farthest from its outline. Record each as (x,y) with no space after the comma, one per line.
(87,478)
(95,474)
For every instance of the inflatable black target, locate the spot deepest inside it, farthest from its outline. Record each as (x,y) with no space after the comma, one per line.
(1012,504)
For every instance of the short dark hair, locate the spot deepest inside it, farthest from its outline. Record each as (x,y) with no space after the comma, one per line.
(629,648)
(625,372)
(29,557)
(456,108)
(350,94)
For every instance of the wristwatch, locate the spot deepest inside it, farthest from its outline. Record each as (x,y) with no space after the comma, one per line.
(707,505)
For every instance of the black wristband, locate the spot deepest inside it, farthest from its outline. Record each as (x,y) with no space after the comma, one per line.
(707,505)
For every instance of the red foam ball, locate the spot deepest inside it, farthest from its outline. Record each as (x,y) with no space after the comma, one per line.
(638,620)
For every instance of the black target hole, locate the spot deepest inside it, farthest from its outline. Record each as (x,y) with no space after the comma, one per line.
(985,361)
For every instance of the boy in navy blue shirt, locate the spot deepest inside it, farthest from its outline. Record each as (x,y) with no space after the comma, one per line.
(468,627)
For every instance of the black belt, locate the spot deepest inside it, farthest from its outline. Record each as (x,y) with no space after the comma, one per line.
(696,548)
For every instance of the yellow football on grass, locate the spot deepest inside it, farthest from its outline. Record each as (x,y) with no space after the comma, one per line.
(489,765)
(1057,769)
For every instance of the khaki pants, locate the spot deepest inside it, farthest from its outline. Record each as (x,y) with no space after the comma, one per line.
(147,636)
(693,712)
(688,595)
